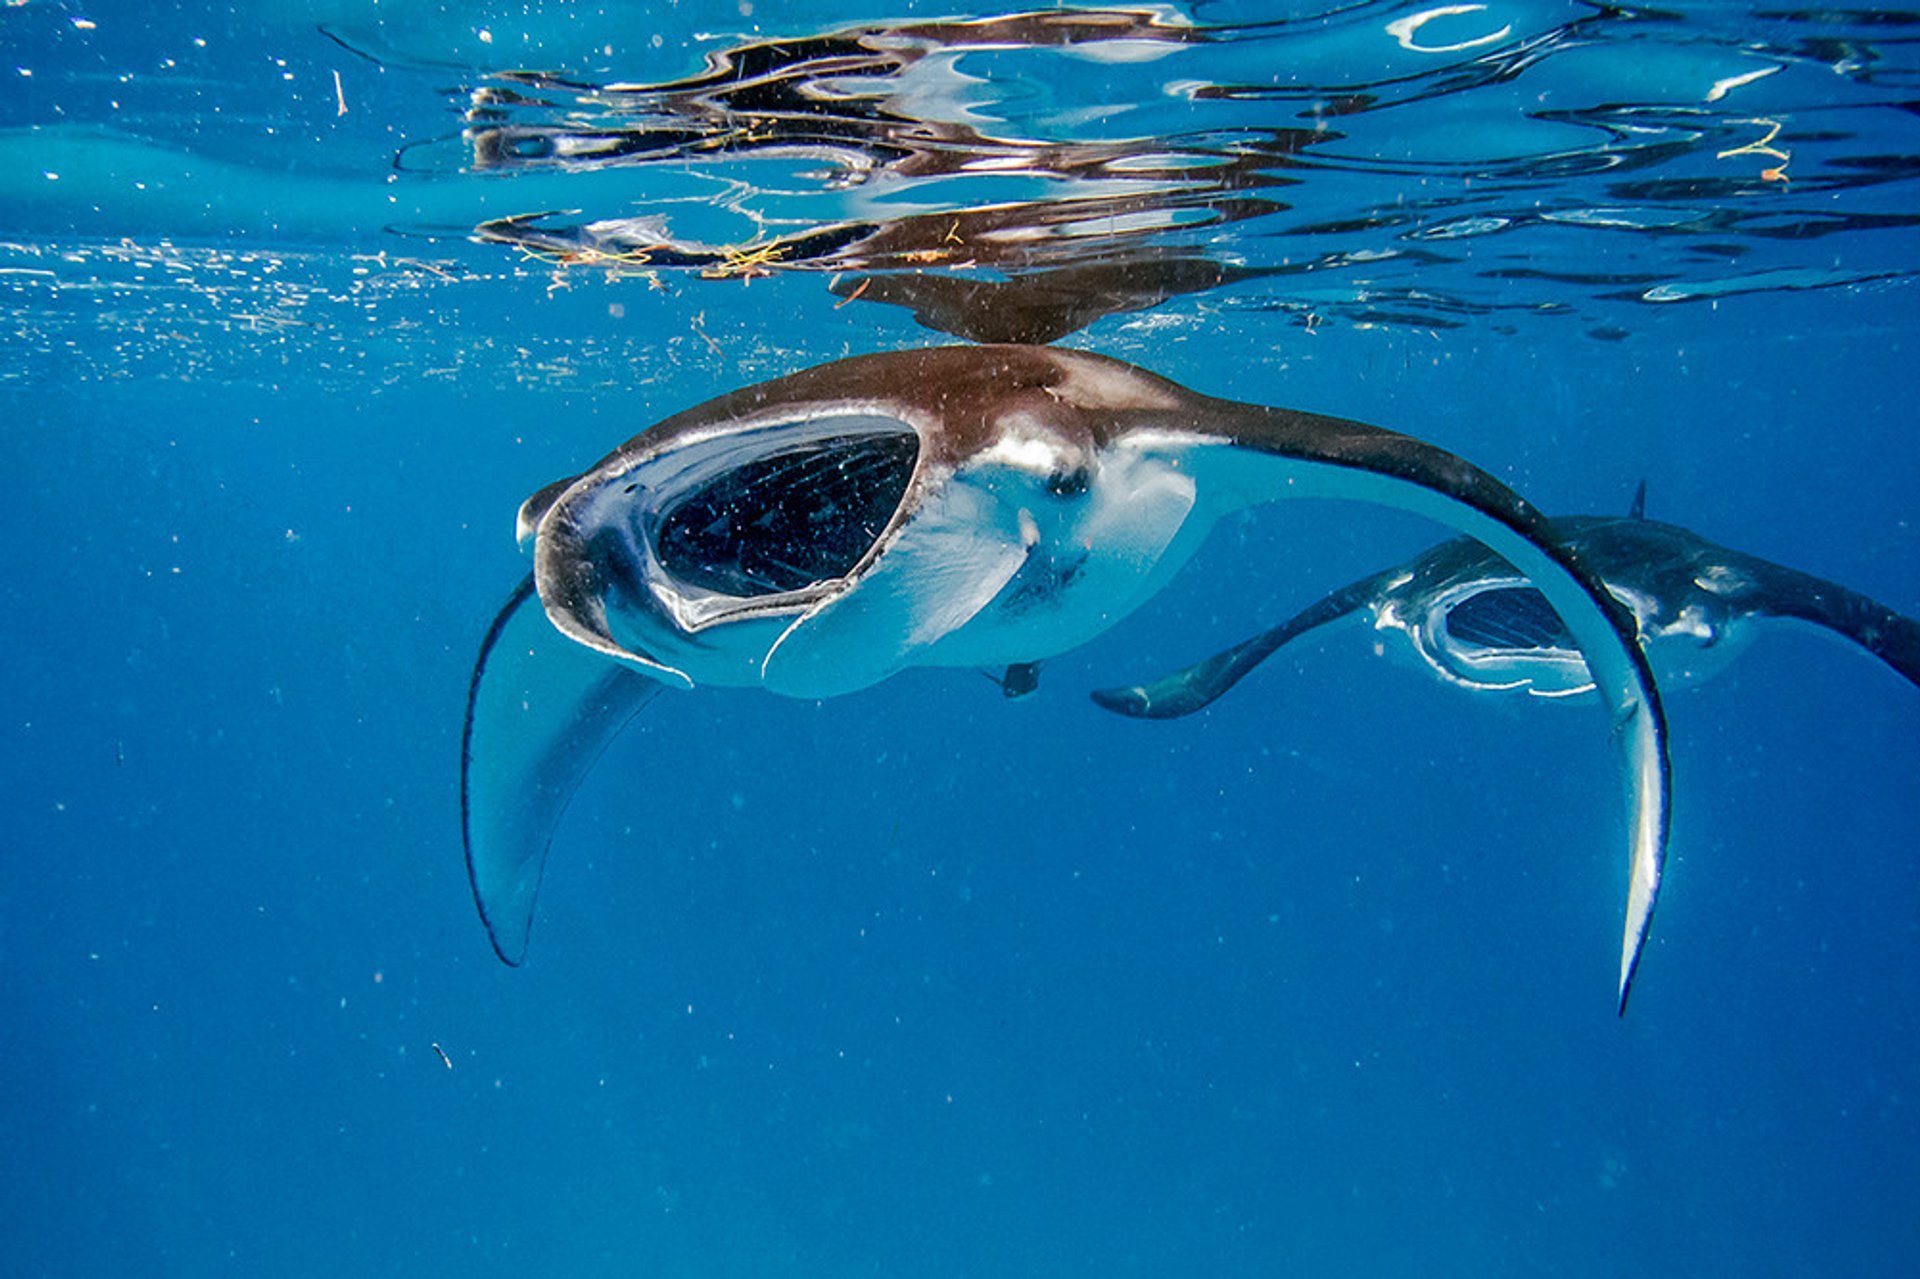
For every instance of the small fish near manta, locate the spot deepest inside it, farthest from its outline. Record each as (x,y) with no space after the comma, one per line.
(987,506)
(1480,625)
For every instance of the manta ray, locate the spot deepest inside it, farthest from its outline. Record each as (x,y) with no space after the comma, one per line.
(1477,623)
(981,506)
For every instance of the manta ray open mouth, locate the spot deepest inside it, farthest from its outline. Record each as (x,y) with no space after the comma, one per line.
(1512,617)
(780,521)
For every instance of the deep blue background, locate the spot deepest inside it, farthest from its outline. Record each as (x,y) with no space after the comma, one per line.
(920,981)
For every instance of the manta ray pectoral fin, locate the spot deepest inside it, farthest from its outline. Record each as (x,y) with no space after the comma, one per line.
(1268,454)
(540,710)
(1784,592)
(1640,738)
(1199,685)
(945,566)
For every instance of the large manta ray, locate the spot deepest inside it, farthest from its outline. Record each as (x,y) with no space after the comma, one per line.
(1478,624)
(962,506)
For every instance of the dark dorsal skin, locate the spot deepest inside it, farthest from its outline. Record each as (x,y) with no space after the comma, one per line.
(1114,474)
(1889,636)
(1044,305)
(1667,566)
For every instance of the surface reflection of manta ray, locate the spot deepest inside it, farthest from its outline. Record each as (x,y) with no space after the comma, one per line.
(1479,624)
(1039,237)
(952,507)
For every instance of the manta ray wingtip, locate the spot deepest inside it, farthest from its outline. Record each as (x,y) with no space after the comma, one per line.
(1642,895)
(511,955)
(1629,966)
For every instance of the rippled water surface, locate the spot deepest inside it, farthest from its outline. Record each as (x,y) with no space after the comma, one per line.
(299,300)
(1013,176)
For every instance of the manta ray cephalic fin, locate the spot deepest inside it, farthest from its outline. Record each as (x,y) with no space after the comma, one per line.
(540,711)
(923,588)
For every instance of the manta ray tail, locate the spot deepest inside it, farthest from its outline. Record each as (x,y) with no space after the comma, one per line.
(1186,691)
(540,710)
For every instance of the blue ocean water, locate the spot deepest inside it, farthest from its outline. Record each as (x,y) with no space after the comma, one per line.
(301,300)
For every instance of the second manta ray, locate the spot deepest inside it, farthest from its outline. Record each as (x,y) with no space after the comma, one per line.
(1479,624)
(964,506)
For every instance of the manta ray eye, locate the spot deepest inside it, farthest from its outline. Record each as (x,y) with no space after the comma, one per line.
(788,518)
(1509,617)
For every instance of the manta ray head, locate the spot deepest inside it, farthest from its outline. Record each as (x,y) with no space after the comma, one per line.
(688,560)
(814,542)
(1497,633)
